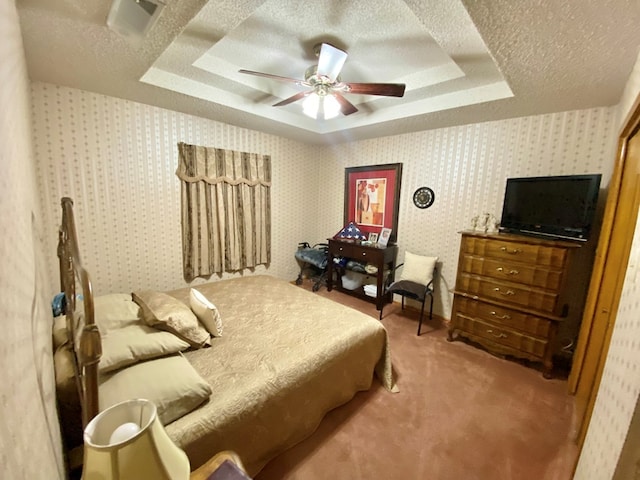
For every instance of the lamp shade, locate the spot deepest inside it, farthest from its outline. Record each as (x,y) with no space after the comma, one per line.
(127,442)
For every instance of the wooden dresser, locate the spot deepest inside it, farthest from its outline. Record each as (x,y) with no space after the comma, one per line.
(510,294)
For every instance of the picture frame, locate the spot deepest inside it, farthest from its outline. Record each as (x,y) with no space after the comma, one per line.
(372,197)
(385,235)
(373,237)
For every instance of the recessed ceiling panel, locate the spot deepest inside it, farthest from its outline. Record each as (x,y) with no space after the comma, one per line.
(279,37)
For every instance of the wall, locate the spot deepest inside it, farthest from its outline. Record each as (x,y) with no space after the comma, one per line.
(619,393)
(467,167)
(30,445)
(117,160)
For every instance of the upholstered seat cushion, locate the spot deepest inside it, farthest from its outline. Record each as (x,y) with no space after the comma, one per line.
(407,287)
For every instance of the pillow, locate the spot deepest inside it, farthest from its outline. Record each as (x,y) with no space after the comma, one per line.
(68,400)
(60,331)
(165,312)
(171,383)
(418,268)
(65,374)
(134,343)
(206,312)
(114,311)
(110,312)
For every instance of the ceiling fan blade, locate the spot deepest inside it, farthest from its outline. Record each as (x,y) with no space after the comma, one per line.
(330,61)
(385,89)
(346,107)
(274,77)
(294,98)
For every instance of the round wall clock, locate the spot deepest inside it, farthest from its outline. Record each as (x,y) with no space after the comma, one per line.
(423,197)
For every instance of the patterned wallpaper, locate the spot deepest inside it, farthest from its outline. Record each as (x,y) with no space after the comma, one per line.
(117,160)
(619,393)
(30,443)
(467,167)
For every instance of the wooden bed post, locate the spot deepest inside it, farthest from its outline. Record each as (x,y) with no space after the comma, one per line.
(87,354)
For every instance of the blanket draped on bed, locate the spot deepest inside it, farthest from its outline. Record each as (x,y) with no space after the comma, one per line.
(286,357)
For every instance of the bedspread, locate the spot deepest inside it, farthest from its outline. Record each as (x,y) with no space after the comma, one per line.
(286,357)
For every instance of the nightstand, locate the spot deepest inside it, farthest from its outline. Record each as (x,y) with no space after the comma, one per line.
(225,465)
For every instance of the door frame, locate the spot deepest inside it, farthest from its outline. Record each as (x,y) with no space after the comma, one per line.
(595,331)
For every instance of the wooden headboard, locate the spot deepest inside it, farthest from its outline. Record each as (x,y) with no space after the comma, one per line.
(74,281)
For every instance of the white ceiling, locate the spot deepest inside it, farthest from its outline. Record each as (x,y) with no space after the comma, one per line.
(463,61)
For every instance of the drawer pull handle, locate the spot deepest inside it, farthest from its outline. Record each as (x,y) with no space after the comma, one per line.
(503,317)
(364,254)
(510,272)
(513,252)
(499,335)
(508,292)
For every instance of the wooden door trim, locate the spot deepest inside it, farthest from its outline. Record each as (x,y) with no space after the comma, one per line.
(632,122)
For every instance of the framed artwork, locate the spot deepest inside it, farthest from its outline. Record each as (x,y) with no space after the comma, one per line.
(373,237)
(385,234)
(372,197)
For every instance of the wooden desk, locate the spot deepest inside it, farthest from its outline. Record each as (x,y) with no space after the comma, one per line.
(384,258)
(225,465)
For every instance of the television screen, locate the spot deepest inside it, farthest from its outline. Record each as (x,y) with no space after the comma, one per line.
(557,207)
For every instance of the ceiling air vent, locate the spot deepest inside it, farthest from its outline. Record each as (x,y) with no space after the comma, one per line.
(134,18)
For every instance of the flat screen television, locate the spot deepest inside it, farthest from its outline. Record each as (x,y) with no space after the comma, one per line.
(561,207)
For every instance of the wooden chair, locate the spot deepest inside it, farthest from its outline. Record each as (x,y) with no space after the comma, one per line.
(413,290)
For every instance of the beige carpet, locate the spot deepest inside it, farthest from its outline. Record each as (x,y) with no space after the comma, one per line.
(461,414)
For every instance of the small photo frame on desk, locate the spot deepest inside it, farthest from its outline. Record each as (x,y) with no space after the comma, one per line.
(373,238)
(385,234)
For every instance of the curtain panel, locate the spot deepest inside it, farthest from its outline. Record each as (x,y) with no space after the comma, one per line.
(226,210)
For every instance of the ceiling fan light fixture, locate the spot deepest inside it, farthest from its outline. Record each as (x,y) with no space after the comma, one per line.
(324,98)
(331,107)
(321,106)
(311,106)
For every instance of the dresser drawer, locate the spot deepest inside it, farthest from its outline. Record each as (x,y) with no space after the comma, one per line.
(509,293)
(514,272)
(541,255)
(514,319)
(501,336)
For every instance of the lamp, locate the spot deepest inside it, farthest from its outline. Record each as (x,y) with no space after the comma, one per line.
(323,105)
(127,442)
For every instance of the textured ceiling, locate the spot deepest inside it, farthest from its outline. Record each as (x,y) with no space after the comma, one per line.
(462,61)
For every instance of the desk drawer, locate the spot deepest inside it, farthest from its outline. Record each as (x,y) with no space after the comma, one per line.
(356,252)
(513,272)
(508,293)
(542,255)
(513,319)
(501,336)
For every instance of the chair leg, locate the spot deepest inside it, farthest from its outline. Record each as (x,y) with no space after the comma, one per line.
(421,316)
(381,308)
(431,307)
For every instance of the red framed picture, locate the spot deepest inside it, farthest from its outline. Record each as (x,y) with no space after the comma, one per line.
(372,197)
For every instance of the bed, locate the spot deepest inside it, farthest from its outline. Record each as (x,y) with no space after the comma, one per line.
(285,357)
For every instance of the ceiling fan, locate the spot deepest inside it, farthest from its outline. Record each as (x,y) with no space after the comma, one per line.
(326,89)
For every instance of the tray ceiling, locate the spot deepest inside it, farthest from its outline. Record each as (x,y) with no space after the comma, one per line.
(462,62)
